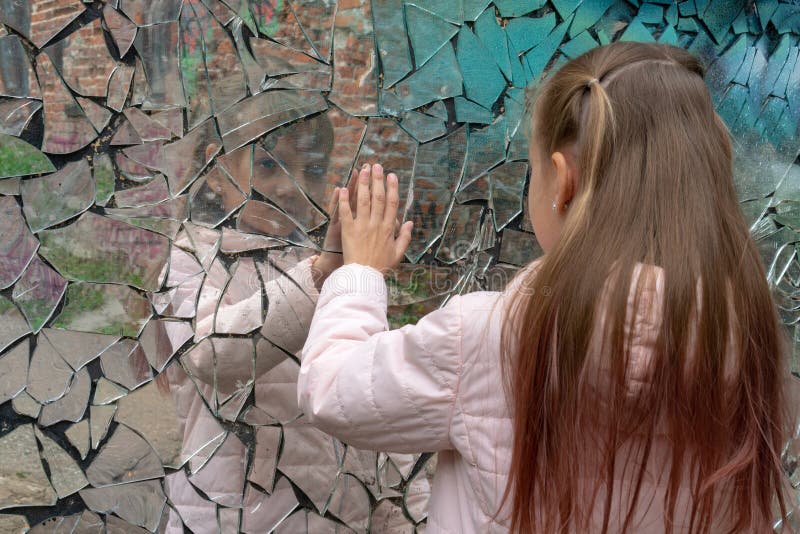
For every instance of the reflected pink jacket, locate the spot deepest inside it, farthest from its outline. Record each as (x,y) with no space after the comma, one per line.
(436,386)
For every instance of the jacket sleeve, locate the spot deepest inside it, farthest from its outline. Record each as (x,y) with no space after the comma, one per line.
(291,299)
(375,388)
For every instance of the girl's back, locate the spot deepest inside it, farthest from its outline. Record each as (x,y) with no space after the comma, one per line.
(631,380)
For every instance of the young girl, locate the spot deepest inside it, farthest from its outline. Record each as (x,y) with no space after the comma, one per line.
(630,380)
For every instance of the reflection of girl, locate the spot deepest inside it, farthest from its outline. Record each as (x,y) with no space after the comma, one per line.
(292,300)
(291,303)
(641,356)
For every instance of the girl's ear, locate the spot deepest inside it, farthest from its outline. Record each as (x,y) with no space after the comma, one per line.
(566,176)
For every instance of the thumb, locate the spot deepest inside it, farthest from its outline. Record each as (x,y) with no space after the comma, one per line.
(403,239)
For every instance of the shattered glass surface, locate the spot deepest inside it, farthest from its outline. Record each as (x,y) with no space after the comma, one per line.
(164,164)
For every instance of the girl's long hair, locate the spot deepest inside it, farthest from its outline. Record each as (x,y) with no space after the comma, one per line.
(655,191)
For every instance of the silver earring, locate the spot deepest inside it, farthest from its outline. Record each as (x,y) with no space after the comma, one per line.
(554,206)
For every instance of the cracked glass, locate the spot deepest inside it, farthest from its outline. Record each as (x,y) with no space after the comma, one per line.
(165,169)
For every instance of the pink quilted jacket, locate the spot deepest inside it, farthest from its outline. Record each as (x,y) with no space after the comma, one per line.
(436,386)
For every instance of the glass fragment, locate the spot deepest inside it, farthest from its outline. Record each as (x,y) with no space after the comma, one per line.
(183,160)
(17,243)
(78,348)
(263,512)
(518,248)
(100,249)
(71,406)
(310,448)
(85,69)
(350,503)
(122,29)
(427,31)
(316,18)
(18,158)
(460,235)
(150,193)
(24,404)
(240,309)
(97,114)
(55,198)
(438,169)
(16,115)
(483,80)
(260,218)
(207,302)
(147,12)
(230,458)
(157,46)
(12,323)
(486,148)
(439,78)
(265,460)
(48,375)
(191,509)
(103,309)
(14,371)
(494,39)
(318,152)
(355,77)
(388,517)
(65,475)
(161,339)
(214,197)
(106,392)
(67,129)
(391,40)
(148,129)
(386,142)
(266,111)
(234,242)
(78,436)
(24,479)
(508,183)
(423,127)
(140,503)
(125,457)
(272,181)
(125,363)
(89,523)
(21,16)
(417,493)
(16,73)
(99,421)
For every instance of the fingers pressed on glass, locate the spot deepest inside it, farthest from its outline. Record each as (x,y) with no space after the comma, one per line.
(403,240)
(345,214)
(352,189)
(363,192)
(392,201)
(378,194)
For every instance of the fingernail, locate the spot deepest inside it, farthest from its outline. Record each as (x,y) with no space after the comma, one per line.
(343,193)
(365,167)
(392,177)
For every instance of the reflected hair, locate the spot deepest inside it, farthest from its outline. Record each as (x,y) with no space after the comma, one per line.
(655,207)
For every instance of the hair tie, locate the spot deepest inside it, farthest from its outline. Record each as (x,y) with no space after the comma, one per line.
(590,82)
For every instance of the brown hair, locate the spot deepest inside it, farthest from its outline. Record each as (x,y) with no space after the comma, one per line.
(655,190)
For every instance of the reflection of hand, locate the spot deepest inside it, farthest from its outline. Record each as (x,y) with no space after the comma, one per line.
(330,258)
(368,238)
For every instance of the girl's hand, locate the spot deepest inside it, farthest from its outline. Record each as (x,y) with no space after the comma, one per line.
(330,258)
(368,237)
